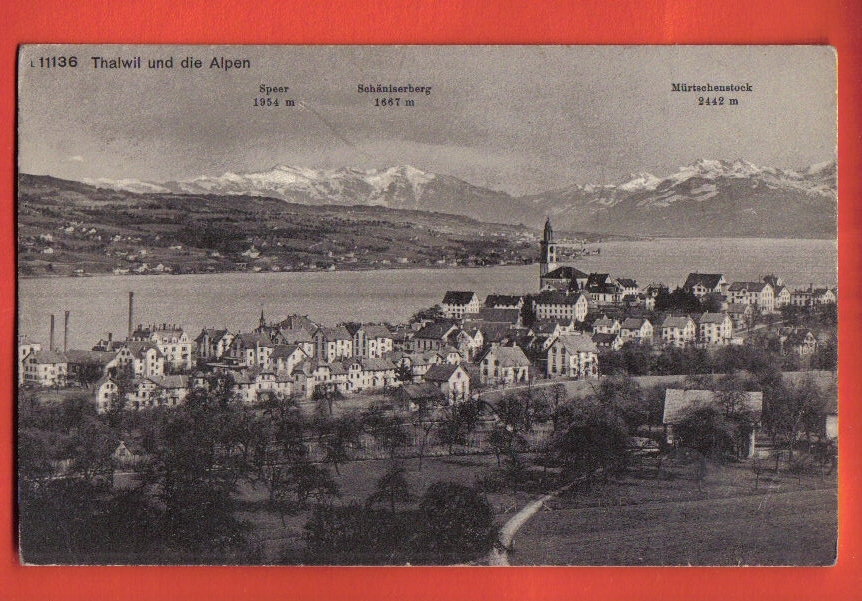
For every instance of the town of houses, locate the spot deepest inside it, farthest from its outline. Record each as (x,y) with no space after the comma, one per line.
(558,332)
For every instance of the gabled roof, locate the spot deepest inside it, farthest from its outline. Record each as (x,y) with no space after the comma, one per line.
(295,335)
(336,333)
(605,322)
(284,351)
(458,297)
(739,308)
(494,332)
(436,330)
(798,337)
(497,315)
(508,356)
(597,281)
(139,347)
(634,323)
(376,331)
(250,339)
(373,364)
(576,343)
(565,272)
(747,287)
(173,382)
(675,321)
(552,297)
(627,282)
(710,281)
(212,333)
(605,339)
(423,390)
(440,372)
(92,357)
(492,301)
(679,403)
(716,318)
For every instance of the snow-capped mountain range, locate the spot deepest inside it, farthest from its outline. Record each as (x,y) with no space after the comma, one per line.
(705,198)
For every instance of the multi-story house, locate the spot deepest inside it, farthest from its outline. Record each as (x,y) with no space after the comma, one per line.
(637,328)
(452,381)
(300,337)
(573,356)
(558,305)
(678,330)
(457,303)
(371,340)
(782,297)
(606,325)
(172,341)
(24,349)
(433,336)
(252,349)
(212,343)
(504,365)
(367,374)
(333,344)
(759,294)
(701,284)
(285,357)
(504,301)
(45,368)
(714,328)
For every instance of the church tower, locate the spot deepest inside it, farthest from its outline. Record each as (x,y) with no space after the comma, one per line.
(547,251)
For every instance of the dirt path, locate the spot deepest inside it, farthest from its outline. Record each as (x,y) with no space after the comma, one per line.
(499,555)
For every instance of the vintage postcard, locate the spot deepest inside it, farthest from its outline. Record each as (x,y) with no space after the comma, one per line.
(427,305)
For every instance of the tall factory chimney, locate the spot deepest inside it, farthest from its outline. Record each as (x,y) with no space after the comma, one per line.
(51,339)
(131,312)
(66,332)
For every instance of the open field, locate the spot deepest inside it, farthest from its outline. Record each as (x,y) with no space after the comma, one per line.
(672,521)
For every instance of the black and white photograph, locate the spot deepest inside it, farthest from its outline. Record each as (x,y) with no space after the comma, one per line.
(427,305)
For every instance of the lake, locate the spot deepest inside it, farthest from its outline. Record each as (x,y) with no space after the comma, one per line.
(99,304)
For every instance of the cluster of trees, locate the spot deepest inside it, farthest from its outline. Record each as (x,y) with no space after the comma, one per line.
(452,523)
(640,360)
(182,502)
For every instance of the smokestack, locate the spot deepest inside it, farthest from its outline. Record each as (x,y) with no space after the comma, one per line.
(131,312)
(51,339)
(66,332)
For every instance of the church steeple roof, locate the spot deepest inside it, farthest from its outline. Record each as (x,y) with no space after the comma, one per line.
(549,232)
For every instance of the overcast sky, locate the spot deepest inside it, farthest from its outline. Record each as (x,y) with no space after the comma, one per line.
(518,118)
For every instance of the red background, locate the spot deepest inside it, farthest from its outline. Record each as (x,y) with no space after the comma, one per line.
(450,21)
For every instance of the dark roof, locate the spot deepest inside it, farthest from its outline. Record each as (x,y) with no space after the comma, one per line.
(283,351)
(605,339)
(707,280)
(212,333)
(597,280)
(678,403)
(747,286)
(90,357)
(336,333)
(717,318)
(497,300)
(550,297)
(508,356)
(627,282)
(634,323)
(498,315)
(565,272)
(435,330)
(440,372)
(575,343)
(458,297)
